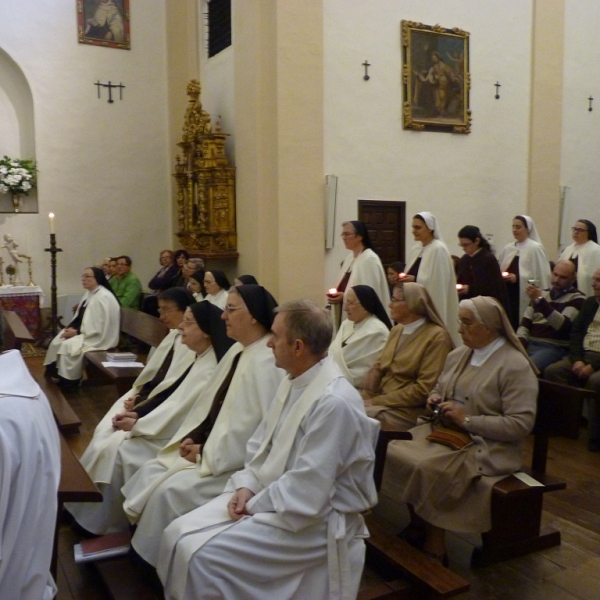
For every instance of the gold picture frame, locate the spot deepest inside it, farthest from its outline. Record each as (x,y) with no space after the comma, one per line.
(435,78)
(104,23)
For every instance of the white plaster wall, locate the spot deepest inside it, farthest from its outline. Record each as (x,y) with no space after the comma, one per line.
(103,167)
(478,179)
(580,128)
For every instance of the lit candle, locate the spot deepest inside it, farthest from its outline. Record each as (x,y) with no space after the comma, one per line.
(401,275)
(459,286)
(505,273)
(51,218)
(332,292)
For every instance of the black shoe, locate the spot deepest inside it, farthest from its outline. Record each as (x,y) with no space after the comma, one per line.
(68,384)
(414,535)
(51,371)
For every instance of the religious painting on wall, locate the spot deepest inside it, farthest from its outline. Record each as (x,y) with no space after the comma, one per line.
(104,23)
(435,78)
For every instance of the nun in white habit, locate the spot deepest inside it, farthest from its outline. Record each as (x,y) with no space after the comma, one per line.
(363,334)
(430,265)
(210,444)
(141,433)
(95,326)
(523,260)
(584,252)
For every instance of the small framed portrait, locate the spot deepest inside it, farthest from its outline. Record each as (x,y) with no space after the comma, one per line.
(104,23)
(435,78)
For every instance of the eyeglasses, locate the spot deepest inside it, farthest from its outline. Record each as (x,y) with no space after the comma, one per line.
(346,234)
(187,321)
(578,230)
(206,282)
(393,299)
(350,303)
(228,308)
(466,245)
(164,311)
(465,324)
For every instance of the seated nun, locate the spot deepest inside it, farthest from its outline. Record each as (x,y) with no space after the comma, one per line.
(211,443)
(362,336)
(95,326)
(140,434)
(217,287)
(167,364)
(483,406)
(396,387)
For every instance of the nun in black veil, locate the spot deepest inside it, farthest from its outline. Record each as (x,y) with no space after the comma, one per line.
(362,335)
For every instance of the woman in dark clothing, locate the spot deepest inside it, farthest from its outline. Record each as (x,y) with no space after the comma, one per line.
(478,272)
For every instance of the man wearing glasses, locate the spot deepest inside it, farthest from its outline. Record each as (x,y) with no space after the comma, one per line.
(126,285)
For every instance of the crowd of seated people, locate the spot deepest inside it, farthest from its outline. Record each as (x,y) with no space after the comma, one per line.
(252,428)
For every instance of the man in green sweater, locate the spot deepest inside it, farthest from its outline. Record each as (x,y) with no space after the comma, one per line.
(126,285)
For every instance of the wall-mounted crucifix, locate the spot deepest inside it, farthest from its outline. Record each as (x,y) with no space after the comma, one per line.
(497,86)
(366,65)
(110,87)
(590,100)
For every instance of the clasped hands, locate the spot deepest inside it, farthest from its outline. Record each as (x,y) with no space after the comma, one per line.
(68,333)
(582,370)
(124,421)
(452,412)
(236,507)
(189,450)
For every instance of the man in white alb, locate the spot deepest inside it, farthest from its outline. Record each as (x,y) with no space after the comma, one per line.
(289,523)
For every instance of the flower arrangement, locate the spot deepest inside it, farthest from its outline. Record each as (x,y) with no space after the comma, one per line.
(16,175)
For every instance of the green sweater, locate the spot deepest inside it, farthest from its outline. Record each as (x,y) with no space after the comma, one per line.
(128,290)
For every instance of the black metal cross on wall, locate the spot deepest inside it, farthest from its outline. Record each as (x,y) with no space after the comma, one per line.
(110,86)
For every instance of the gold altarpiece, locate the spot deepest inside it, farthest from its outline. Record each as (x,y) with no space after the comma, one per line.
(205,185)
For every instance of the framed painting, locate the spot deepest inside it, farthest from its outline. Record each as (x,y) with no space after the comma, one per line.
(435,78)
(104,23)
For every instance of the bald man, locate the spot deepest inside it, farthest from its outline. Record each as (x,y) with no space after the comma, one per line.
(546,323)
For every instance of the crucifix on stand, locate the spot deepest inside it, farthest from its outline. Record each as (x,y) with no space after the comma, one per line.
(110,87)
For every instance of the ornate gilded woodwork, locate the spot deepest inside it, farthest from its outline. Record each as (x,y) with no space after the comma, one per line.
(205,185)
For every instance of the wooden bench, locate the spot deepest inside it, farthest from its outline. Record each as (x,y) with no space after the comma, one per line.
(390,556)
(517,506)
(145,328)
(75,486)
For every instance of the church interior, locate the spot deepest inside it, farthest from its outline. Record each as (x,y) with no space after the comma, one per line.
(292,95)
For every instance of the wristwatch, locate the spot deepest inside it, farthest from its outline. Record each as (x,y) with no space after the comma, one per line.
(466,422)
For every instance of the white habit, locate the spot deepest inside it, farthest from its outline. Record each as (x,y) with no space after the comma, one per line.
(588,261)
(125,452)
(356,347)
(171,486)
(219,299)
(310,464)
(365,269)
(99,331)
(436,274)
(533,264)
(29,478)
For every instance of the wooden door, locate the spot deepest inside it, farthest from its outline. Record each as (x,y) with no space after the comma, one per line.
(386,224)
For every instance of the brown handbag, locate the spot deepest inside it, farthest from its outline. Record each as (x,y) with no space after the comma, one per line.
(456,439)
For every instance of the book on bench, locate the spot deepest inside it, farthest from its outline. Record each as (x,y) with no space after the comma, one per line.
(105,546)
(121,357)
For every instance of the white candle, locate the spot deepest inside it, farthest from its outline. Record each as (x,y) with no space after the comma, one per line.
(401,275)
(505,273)
(51,218)
(459,286)
(332,291)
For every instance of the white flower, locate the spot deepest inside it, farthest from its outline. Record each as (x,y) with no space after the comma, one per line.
(26,186)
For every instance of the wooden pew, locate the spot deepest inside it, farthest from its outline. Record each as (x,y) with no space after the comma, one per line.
(516,506)
(421,577)
(75,486)
(15,332)
(143,327)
